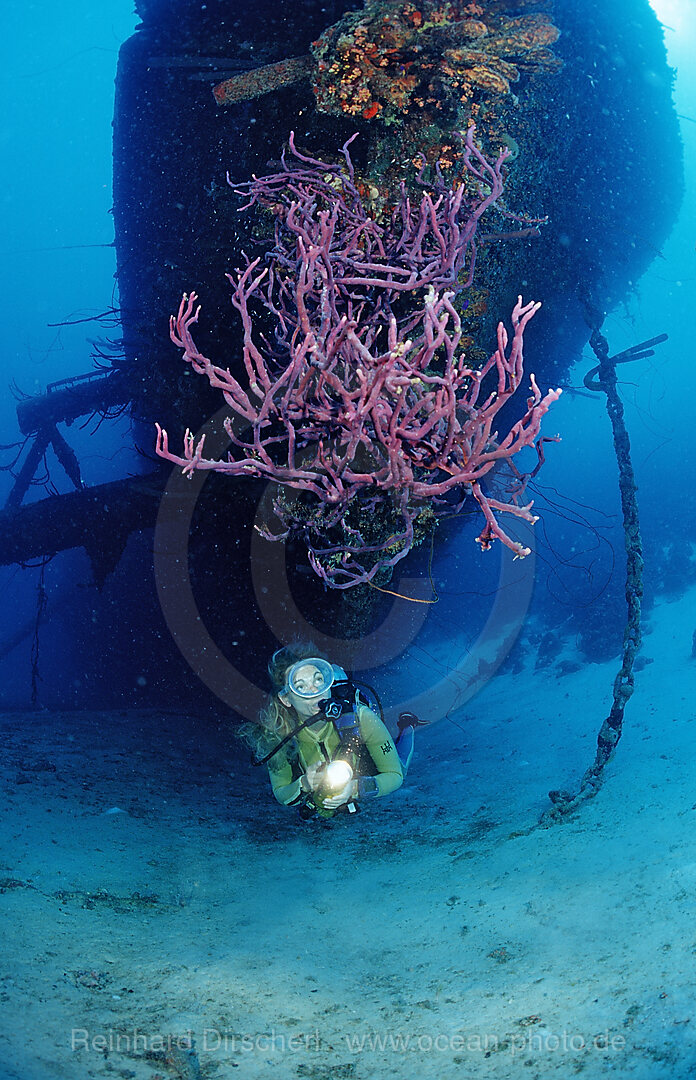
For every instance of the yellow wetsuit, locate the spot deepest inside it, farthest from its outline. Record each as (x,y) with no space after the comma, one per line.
(322,745)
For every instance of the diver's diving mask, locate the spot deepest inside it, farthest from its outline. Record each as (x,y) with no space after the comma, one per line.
(309,679)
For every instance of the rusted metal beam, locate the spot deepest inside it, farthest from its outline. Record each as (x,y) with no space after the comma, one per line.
(100,519)
(64,401)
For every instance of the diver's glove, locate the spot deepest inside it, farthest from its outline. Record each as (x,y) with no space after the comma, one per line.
(347,794)
(311,779)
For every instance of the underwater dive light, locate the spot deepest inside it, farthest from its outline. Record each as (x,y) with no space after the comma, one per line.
(334,777)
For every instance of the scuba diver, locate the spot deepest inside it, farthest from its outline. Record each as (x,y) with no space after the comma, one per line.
(326,748)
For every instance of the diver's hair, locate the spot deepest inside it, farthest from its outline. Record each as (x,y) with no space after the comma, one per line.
(276,720)
(284,658)
(274,723)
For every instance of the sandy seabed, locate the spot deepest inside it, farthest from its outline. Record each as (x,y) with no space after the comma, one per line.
(163,917)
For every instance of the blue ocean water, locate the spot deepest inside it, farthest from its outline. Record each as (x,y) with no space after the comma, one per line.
(156,893)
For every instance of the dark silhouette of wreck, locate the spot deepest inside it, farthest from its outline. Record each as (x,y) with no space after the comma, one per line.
(603,144)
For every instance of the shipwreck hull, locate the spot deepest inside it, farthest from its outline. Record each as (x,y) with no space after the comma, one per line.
(596,151)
